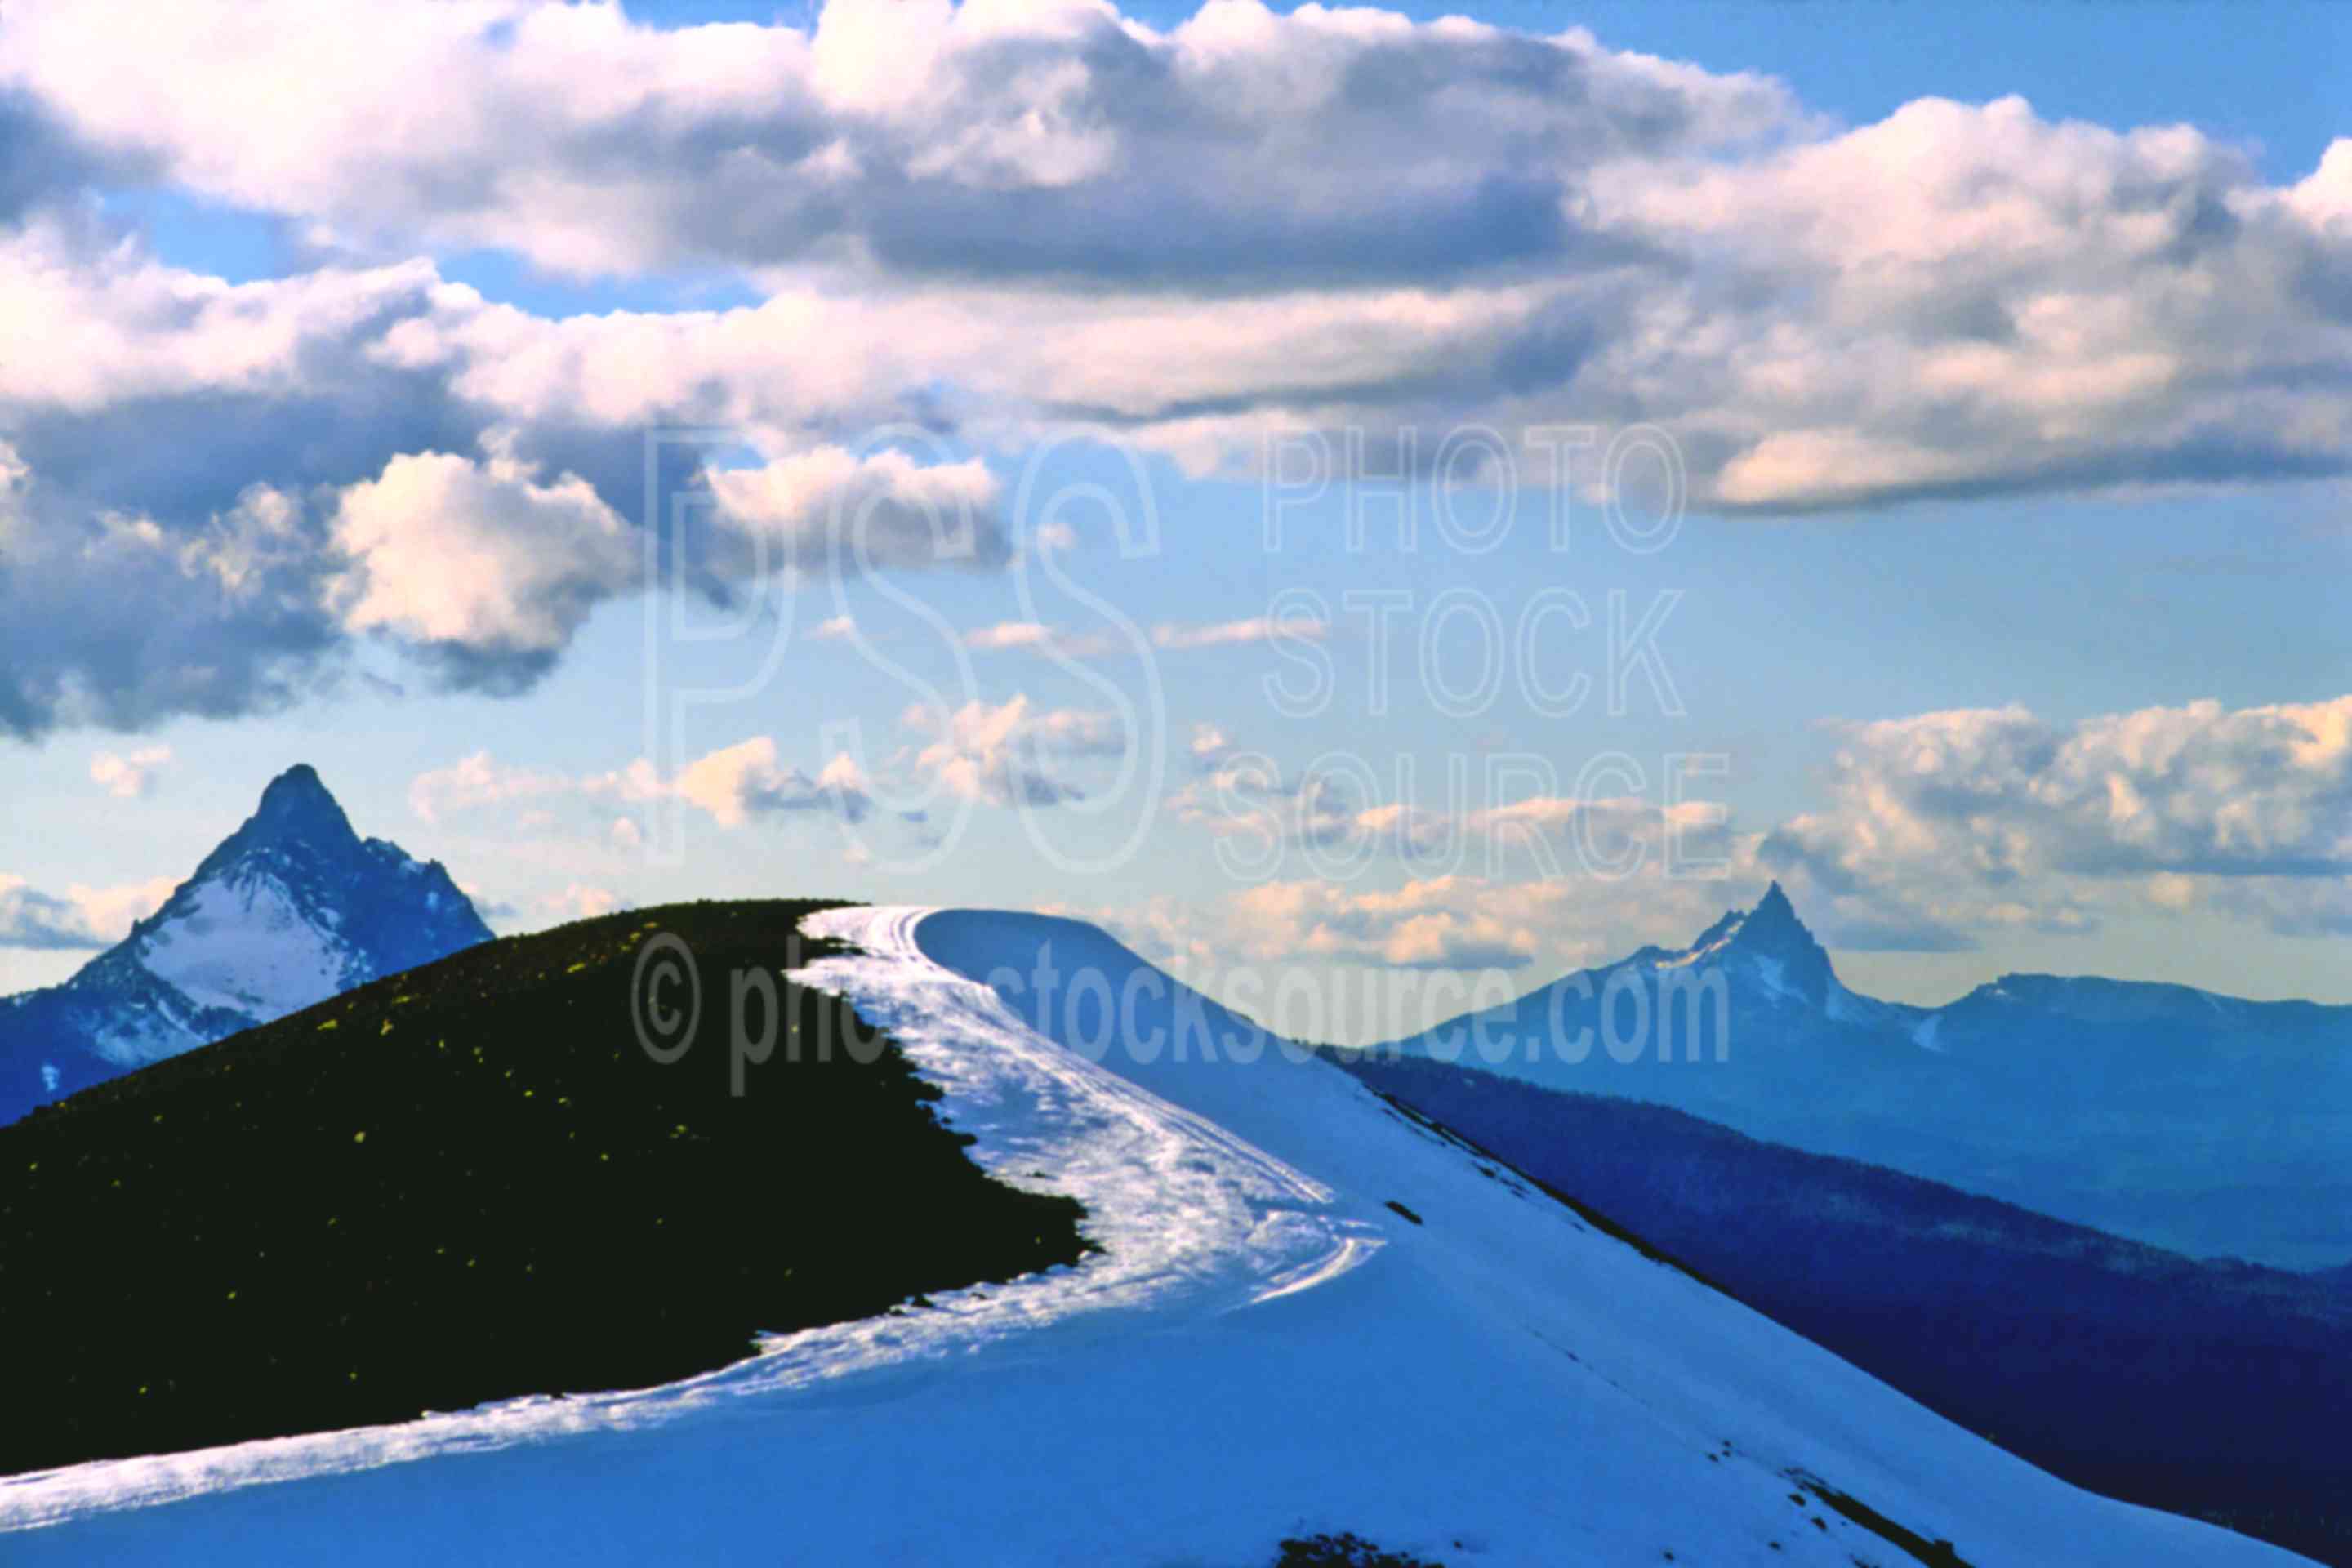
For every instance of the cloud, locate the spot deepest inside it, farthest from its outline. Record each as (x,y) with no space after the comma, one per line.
(1051,141)
(1168,636)
(988,223)
(1176,636)
(477,564)
(489,570)
(831,509)
(208,491)
(1035,636)
(129,776)
(580,901)
(32,919)
(2288,906)
(1011,633)
(1002,753)
(47,163)
(497,912)
(477,781)
(1940,824)
(1317,220)
(2018,305)
(995,753)
(1460,923)
(108,618)
(734,785)
(1336,809)
(1445,923)
(743,782)
(1209,746)
(82,919)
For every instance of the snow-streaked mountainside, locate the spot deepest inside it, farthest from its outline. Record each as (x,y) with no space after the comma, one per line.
(289,910)
(1310,1312)
(2211,1389)
(2209,1125)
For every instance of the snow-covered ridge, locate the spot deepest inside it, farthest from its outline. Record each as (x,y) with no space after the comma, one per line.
(1193,1221)
(1179,1202)
(1310,1313)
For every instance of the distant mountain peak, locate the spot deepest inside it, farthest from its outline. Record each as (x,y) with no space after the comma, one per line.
(299,802)
(1772,926)
(291,909)
(298,789)
(299,824)
(1768,944)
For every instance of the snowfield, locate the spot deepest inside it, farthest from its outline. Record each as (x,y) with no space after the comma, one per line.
(243,944)
(1265,1346)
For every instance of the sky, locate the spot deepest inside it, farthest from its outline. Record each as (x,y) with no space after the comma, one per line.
(1377,495)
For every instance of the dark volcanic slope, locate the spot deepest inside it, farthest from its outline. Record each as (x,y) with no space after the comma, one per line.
(2217,1389)
(470,1181)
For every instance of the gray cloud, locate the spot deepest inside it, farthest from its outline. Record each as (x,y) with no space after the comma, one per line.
(177,486)
(35,919)
(1242,147)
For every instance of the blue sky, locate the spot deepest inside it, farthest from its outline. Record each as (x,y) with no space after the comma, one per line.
(2003,598)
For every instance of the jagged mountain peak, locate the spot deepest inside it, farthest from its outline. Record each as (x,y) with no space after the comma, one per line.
(297,819)
(299,798)
(1772,926)
(1773,911)
(291,909)
(1771,946)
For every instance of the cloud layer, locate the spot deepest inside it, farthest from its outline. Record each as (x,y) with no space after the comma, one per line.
(79,919)
(983,224)
(1943,824)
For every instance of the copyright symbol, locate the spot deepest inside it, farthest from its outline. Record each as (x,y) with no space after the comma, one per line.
(662,1029)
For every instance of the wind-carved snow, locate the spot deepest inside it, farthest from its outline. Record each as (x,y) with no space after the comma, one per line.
(244,947)
(1180,1203)
(1268,1343)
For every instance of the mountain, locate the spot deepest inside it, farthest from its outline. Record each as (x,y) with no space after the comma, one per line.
(291,909)
(1305,1311)
(2204,1124)
(2215,1389)
(1768,951)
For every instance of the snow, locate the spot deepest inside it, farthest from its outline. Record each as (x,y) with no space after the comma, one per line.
(1846,1006)
(244,946)
(1265,1346)
(139,1034)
